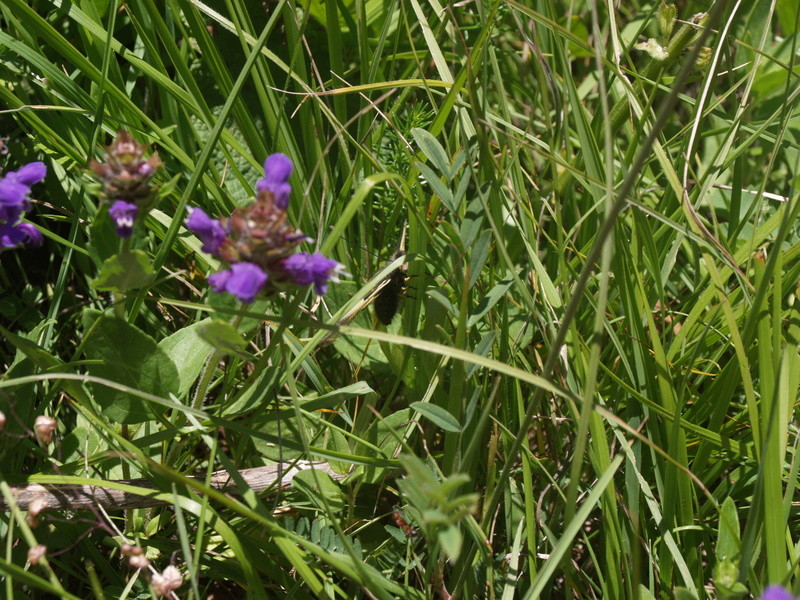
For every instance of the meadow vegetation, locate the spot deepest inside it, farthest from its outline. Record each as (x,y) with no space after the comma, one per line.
(586,214)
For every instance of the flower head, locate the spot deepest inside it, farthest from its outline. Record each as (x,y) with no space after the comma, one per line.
(277,170)
(126,176)
(258,243)
(210,231)
(305,269)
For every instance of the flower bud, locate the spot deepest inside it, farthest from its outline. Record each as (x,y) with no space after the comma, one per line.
(170,579)
(2,421)
(703,56)
(36,553)
(666,19)
(35,508)
(44,428)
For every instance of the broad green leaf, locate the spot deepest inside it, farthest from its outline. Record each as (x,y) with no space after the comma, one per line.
(122,353)
(222,336)
(125,271)
(451,540)
(189,352)
(437,415)
(728,540)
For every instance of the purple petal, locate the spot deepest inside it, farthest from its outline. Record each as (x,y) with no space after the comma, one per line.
(277,168)
(305,269)
(217,281)
(280,191)
(210,231)
(246,281)
(11,214)
(776,592)
(124,215)
(29,174)
(11,236)
(12,192)
(33,237)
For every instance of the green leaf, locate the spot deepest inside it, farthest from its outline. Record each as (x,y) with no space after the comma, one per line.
(728,539)
(451,540)
(682,593)
(437,415)
(125,271)
(314,484)
(222,336)
(433,150)
(124,354)
(439,188)
(189,351)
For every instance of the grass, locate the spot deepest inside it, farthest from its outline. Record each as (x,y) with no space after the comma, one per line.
(590,387)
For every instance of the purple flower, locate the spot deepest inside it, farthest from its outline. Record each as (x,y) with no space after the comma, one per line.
(305,269)
(14,189)
(776,592)
(33,237)
(23,234)
(210,231)
(29,174)
(244,280)
(277,170)
(13,193)
(124,214)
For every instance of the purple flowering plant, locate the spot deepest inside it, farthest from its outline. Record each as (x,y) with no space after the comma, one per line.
(126,179)
(258,243)
(15,187)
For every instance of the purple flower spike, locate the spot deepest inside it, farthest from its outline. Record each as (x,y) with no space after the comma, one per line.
(29,174)
(210,231)
(776,592)
(124,215)
(305,269)
(244,280)
(277,170)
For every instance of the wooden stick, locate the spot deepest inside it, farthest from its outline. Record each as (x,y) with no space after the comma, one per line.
(65,496)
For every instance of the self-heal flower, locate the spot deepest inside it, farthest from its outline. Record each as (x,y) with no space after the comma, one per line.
(210,231)
(305,269)
(243,280)
(277,170)
(126,179)
(124,215)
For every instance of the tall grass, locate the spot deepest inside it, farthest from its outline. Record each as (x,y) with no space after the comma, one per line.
(589,389)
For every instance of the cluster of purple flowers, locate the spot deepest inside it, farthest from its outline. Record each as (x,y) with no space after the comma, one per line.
(126,178)
(259,245)
(14,189)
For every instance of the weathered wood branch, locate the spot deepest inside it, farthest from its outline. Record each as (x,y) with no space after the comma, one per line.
(58,496)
